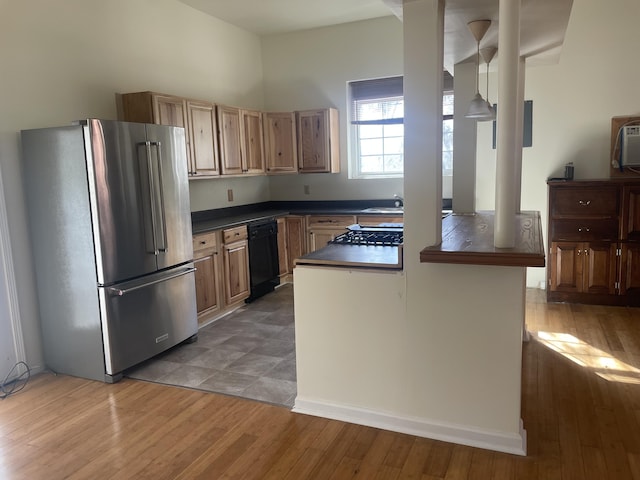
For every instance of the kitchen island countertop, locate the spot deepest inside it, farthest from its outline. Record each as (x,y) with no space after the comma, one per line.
(360,256)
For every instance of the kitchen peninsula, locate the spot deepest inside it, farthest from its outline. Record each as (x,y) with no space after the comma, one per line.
(354,338)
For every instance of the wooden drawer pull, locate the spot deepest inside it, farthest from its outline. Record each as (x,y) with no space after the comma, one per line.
(583,203)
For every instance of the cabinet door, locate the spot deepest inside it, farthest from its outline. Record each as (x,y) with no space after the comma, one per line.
(252,142)
(599,270)
(168,110)
(207,277)
(204,138)
(236,271)
(282,247)
(296,239)
(318,146)
(280,142)
(631,213)
(566,267)
(230,153)
(630,269)
(319,238)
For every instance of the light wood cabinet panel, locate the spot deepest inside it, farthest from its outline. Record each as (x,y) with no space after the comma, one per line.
(319,238)
(281,149)
(283,262)
(318,142)
(207,275)
(324,228)
(236,264)
(236,267)
(203,133)
(252,141)
(373,220)
(296,239)
(230,141)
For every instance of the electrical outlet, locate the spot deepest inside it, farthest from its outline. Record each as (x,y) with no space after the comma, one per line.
(230,195)
(306,190)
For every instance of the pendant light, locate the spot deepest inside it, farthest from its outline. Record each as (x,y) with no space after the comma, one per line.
(478,109)
(487,55)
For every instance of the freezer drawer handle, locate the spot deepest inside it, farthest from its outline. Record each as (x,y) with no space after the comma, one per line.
(120,292)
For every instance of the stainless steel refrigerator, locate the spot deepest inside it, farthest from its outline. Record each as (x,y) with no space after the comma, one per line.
(110,228)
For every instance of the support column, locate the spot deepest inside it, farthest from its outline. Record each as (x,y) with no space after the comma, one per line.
(519,134)
(464,139)
(423,27)
(509,48)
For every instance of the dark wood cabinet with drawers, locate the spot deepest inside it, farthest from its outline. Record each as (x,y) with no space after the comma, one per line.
(594,242)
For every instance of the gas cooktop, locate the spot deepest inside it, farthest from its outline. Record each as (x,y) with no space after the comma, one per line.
(357,235)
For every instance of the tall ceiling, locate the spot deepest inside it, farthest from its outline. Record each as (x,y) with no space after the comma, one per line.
(543,22)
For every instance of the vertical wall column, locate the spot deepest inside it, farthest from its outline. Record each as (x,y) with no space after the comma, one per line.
(509,48)
(423,28)
(519,136)
(464,139)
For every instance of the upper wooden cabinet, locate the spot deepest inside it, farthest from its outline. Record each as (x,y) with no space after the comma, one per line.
(241,141)
(318,141)
(197,118)
(203,134)
(281,149)
(224,140)
(252,141)
(230,141)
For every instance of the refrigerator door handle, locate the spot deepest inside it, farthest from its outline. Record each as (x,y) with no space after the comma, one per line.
(160,186)
(152,202)
(123,291)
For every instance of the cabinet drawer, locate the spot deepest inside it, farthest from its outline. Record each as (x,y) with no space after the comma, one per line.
(584,202)
(233,234)
(584,230)
(331,220)
(204,241)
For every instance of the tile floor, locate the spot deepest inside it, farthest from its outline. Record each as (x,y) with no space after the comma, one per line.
(249,353)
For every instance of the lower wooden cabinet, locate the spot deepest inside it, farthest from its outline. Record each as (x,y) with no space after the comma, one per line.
(296,231)
(324,228)
(283,262)
(221,259)
(207,262)
(236,265)
(584,267)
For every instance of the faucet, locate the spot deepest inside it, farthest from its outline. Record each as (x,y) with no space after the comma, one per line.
(399,200)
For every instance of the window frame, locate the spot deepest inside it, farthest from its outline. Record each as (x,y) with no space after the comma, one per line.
(353,137)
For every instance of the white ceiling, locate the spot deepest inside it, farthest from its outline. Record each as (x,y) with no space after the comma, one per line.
(543,22)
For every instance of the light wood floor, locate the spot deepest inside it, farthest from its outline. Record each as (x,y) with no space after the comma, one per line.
(581,409)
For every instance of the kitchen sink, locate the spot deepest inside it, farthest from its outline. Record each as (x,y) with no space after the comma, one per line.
(399,210)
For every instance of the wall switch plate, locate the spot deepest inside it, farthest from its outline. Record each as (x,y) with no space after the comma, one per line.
(230,195)
(306,190)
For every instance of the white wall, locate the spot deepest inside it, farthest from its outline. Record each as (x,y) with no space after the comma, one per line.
(597,78)
(310,69)
(65,60)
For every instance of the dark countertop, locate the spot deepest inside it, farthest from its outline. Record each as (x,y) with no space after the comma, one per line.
(361,256)
(208,220)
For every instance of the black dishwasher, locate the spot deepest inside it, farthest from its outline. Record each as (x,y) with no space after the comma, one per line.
(264,266)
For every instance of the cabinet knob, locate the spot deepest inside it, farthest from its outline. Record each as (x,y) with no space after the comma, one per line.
(584,203)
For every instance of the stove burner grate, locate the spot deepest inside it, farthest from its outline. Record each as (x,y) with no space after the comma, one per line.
(364,237)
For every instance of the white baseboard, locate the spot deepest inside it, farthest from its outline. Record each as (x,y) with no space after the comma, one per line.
(490,440)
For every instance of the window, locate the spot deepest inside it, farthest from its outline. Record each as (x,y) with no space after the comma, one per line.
(377,128)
